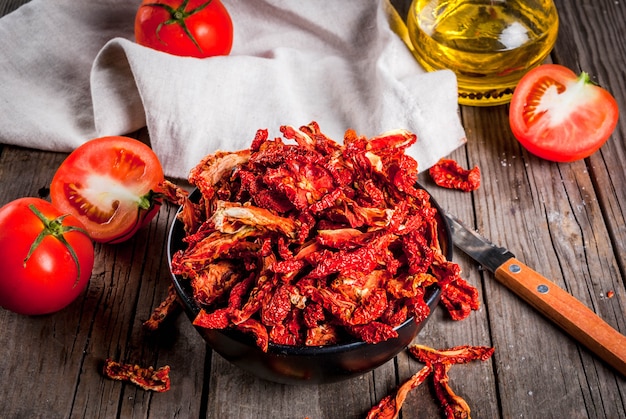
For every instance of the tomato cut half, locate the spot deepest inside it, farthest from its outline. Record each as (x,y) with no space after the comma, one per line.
(111,184)
(560,116)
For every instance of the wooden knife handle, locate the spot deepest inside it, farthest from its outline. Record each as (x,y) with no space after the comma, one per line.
(566,311)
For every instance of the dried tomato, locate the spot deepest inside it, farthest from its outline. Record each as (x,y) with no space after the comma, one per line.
(438,363)
(168,307)
(306,243)
(459,298)
(456,355)
(147,378)
(447,173)
(441,361)
(389,407)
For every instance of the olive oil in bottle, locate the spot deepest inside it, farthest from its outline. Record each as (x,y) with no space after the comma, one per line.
(489,44)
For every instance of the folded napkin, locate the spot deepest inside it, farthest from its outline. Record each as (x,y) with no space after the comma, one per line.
(79,75)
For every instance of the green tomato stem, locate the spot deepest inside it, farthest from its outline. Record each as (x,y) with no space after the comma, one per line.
(56,229)
(178,16)
(149,200)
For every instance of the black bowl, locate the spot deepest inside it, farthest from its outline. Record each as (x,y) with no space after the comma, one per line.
(303,364)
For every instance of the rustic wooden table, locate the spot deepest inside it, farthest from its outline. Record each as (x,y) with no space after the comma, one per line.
(568,221)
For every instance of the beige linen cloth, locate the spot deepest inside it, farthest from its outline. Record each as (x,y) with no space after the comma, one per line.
(70,71)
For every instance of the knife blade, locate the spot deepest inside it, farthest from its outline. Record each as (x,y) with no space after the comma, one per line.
(549,299)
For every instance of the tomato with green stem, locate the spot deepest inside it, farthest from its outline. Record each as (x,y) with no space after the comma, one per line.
(560,116)
(47,257)
(112,185)
(191,28)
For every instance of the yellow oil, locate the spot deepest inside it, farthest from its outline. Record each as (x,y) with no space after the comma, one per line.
(490,45)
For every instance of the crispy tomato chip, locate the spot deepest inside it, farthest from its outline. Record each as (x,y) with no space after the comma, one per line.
(447,173)
(301,240)
(147,378)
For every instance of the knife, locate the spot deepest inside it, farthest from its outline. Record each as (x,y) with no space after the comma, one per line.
(545,296)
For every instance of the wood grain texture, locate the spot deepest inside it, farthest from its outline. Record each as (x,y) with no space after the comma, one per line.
(566,221)
(560,307)
(8,6)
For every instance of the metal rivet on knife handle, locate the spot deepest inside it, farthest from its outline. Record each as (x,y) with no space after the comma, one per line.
(557,304)
(567,312)
(515,268)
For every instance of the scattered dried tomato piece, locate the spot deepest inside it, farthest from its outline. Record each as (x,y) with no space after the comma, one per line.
(168,307)
(438,363)
(147,378)
(456,355)
(389,407)
(454,406)
(447,173)
(441,361)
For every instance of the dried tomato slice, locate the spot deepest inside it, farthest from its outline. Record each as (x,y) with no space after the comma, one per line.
(147,378)
(459,298)
(456,355)
(168,307)
(389,407)
(441,361)
(447,173)
(438,363)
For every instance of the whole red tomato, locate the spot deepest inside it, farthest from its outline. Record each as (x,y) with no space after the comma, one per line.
(112,185)
(560,116)
(47,257)
(192,28)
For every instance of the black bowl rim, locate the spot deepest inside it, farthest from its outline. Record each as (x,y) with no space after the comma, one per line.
(192,309)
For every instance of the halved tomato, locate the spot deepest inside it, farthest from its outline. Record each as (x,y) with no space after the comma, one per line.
(559,116)
(112,185)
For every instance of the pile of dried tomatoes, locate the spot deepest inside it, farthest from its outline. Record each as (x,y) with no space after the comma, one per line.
(301,240)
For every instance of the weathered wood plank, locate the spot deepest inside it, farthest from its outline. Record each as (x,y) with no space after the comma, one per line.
(558,230)
(62,353)
(592,40)
(259,398)
(54,370)
(565,220)
(8,6)
(475,382)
